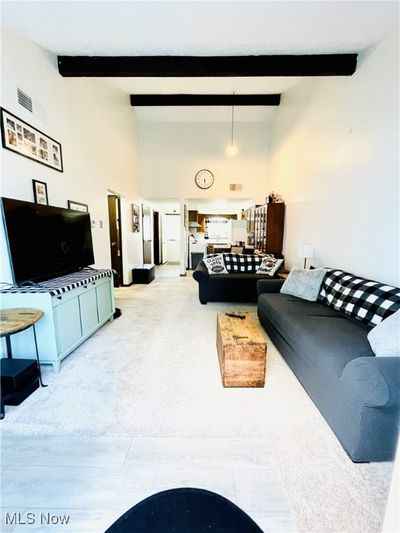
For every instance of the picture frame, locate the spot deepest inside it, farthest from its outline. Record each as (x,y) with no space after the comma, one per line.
(78,206)
(21,138)
(135,218)
(40,195)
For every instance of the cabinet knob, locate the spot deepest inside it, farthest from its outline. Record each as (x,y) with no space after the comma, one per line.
(59,297)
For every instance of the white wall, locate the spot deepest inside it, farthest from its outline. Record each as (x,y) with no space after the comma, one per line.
(172,153)
(96,127)
(334,158)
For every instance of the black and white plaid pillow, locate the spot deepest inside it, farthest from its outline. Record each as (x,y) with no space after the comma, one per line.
(242,262)
(365,300)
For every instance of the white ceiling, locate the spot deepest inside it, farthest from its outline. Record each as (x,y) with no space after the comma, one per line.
(204,114)
(201,28)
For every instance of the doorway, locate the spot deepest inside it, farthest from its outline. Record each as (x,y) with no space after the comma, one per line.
(147,235)
(157,238)
(114,216)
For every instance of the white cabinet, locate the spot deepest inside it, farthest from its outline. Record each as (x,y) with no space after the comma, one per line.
(69,319)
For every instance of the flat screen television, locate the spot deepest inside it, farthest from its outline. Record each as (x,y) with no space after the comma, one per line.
(44,241)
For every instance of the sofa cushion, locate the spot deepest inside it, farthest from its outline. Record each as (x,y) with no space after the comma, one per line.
(385,337)
(215,264)
(365,300)
(304,283)
(269,265)
(321,336)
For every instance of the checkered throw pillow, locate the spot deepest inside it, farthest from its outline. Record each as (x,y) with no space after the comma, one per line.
(242,262)
(365,300)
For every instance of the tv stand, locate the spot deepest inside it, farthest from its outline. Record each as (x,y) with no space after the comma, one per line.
(74,307)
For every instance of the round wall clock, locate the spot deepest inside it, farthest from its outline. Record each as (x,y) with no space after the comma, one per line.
(204,179)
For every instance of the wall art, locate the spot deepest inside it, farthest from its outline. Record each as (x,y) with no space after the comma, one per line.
(23,139)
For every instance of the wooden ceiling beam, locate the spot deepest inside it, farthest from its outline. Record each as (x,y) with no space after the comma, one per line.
(148,100)
(208,66)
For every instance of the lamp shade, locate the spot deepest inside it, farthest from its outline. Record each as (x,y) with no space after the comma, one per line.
(306,251)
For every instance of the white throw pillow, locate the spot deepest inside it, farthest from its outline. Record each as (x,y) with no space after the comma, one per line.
(215,264)
(303,283)
(385,337)
(269,265)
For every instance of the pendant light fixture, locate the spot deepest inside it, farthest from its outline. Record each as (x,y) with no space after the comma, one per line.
(232,149)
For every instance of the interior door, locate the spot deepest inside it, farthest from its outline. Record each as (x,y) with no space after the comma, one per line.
(172,236)
(147,235)
(115,238)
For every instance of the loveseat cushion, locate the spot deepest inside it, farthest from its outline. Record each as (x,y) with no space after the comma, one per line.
(322,337)
(365,300)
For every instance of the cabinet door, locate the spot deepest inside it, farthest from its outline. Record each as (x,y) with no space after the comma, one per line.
(88,307)
(104,303)
(68,324)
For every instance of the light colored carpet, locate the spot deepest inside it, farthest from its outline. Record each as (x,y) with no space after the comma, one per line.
(154,373)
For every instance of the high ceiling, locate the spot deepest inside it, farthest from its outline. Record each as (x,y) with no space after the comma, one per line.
(202,28)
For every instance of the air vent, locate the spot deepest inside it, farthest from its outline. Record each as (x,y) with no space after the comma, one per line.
(235,186)
(24,100)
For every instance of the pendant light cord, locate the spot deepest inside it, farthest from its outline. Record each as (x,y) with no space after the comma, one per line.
(233,110)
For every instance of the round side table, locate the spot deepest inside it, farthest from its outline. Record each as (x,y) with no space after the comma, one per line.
(16,320)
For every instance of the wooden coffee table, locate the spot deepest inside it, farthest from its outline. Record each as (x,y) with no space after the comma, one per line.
(241,349)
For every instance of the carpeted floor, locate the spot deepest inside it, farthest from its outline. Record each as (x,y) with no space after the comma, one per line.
(154,373)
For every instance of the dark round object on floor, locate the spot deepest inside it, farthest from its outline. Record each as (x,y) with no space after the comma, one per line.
(185,510)
(117,313)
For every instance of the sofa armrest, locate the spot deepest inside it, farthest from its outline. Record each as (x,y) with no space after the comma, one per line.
(201,272)
(375,380)
(269,285)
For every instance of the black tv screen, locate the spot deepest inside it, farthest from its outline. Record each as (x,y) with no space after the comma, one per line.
(45,241)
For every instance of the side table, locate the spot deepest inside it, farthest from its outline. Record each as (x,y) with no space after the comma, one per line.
(283,275)
(14,321)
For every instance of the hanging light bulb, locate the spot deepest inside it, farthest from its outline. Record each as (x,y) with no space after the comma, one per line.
(232,149)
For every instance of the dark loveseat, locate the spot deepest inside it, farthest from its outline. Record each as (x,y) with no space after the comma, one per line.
(356,392)
(232,287)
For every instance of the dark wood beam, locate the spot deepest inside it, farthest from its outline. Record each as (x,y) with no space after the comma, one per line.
(204,66)
(138,100)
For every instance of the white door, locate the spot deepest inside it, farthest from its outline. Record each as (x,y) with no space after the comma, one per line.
(172,237)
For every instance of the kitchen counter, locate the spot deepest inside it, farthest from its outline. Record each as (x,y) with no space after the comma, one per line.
(200,246)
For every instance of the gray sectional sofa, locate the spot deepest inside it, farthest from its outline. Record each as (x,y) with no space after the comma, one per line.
(357,392)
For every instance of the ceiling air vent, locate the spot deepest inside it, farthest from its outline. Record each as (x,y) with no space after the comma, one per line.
(235,186)
(24,100)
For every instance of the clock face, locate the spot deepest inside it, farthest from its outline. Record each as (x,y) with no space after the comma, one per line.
(204,179)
